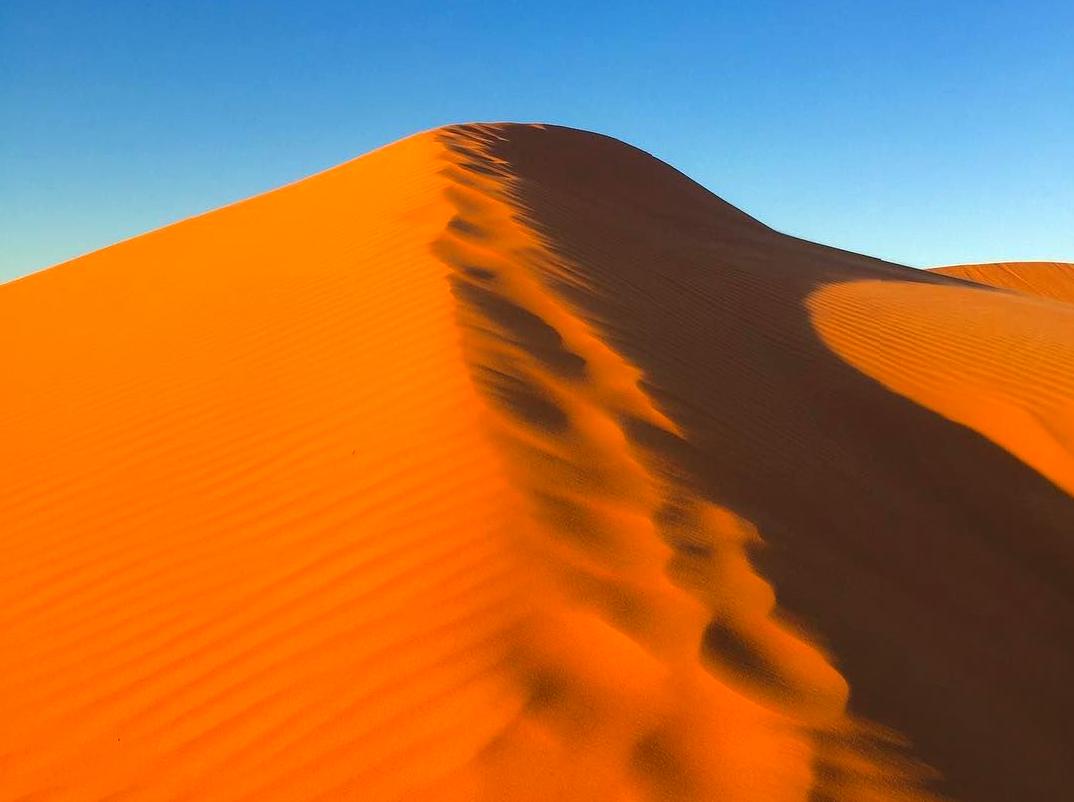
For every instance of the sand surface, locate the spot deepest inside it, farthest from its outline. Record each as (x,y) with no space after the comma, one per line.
(507,463)
(1045,279)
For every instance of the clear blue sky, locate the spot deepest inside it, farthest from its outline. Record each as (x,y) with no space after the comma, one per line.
(922,132)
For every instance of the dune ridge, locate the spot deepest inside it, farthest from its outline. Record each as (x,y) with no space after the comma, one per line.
(629,537)
(505,462)
(1045,279)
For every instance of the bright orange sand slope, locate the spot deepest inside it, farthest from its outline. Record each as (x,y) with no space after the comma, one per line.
(1045,279)
(507,463)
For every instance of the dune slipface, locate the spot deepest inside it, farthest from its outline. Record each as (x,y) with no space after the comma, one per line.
(506,462)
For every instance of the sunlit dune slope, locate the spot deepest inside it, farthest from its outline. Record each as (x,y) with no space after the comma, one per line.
(507,463)
(1046,279)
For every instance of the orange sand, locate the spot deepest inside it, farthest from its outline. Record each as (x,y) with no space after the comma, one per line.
(473,469)
(1045,279)
(995,363)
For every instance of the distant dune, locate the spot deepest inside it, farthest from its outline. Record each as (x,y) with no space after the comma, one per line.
(507,463)
(1046,279)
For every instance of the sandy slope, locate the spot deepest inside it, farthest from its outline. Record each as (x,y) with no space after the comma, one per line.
(474,469)
(1045,279)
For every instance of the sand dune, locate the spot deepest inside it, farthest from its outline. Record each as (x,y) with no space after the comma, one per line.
(506,462)
(1045,279)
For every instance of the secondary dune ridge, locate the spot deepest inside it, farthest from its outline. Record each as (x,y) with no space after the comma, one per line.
(1045,279)
(474,468)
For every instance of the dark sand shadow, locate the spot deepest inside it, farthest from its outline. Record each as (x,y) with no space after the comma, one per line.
(935,566)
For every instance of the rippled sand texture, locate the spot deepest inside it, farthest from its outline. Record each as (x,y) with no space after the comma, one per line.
(506,463)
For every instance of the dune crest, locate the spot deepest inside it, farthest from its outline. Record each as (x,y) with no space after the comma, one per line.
(715,687)
(505,462)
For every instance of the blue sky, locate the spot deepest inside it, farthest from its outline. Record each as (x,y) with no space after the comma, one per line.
(921,132)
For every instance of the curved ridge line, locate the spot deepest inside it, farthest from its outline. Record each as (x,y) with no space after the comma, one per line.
(686,568)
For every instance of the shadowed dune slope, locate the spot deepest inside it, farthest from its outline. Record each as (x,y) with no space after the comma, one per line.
(1046,279)
(933,561)
(507,463)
